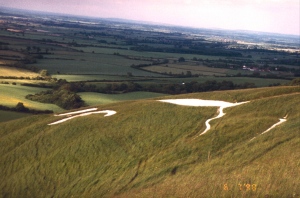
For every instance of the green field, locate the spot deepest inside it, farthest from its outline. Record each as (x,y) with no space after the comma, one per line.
(91,98)
(127,52)
(88,54)
(88,63)
(10,95)
(183,68)
(151,149)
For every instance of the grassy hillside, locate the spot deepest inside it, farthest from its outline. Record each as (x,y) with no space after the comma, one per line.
(152,149)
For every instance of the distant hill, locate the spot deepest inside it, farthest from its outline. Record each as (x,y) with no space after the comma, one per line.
(153,149)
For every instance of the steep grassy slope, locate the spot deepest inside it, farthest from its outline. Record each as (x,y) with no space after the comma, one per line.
(152,149)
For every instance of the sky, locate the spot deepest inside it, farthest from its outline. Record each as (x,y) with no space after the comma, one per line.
(277,16)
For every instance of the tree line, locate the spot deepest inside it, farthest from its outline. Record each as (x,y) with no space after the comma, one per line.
(21,108)
(173,88)
(65,95)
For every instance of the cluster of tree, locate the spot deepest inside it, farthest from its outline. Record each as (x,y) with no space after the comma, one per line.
(290,61)
(41,85)
(3,43)
(33,49)
(4,47)
(21,108)
(109,88)
(294,61)
(155,61)
(257,74)
(226,63)
(262,50)
(65,94)
(61,96)
(26,64)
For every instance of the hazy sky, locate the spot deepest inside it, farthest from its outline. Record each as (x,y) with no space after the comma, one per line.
(280,16)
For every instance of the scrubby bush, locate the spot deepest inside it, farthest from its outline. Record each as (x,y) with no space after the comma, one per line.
(62,97)
(21,108)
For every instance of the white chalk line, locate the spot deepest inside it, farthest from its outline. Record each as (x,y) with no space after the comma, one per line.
(281,120)
(77,112)
(87,112)
(204,103)
(221,114)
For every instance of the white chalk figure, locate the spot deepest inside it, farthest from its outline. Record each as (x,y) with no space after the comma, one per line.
(185,102)
(82,113)
(204,103)
(281,120)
